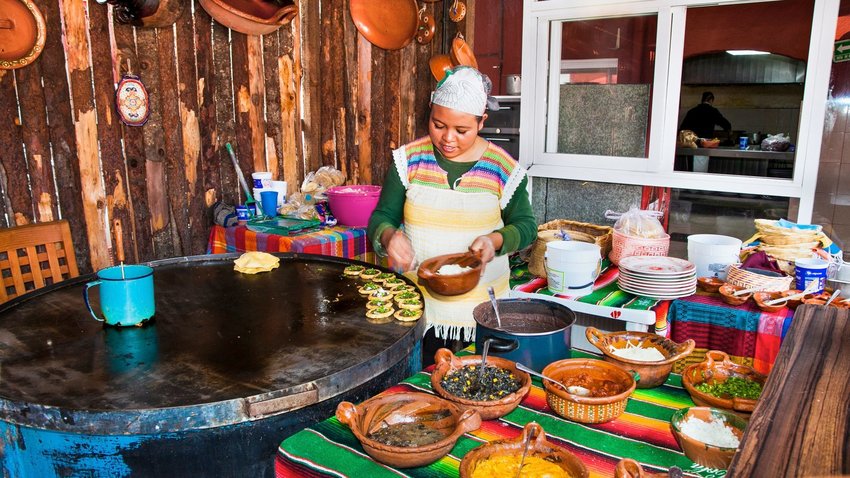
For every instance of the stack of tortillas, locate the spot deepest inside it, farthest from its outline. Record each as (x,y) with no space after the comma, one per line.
(254,262)
(787,244)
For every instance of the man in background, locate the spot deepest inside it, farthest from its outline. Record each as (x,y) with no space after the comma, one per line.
(702,118)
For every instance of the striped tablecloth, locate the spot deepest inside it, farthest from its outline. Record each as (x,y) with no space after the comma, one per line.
(641,433)
(613,302)
(339,241)
(750,336)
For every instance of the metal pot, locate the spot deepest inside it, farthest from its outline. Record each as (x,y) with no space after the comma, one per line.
(534,332)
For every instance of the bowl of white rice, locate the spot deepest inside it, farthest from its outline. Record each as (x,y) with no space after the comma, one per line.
(650,356)
(451,274)
(708,436)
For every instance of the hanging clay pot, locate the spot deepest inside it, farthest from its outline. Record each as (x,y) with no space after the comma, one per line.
(22,33)
(251,17)
(457,12)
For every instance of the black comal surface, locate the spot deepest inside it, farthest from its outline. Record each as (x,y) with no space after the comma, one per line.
(241,342)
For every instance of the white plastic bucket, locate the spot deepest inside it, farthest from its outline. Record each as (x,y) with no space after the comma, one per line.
(712,254)
(572,267)
(810,270)
(262,179)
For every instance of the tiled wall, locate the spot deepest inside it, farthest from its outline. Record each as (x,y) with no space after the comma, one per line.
(832,195)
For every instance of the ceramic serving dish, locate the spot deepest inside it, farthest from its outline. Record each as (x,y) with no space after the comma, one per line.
(451,284)
(727,293)
(648,374)
(587,409)
(447,362)
(538,447)
(702,453)
(428,412)
(709,284)
(718,368)
(762,298)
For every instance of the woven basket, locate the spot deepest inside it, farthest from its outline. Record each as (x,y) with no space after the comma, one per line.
(751,280)
(627,246)
(578,231)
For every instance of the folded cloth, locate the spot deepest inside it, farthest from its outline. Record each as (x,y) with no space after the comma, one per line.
(760,260)
(253,262)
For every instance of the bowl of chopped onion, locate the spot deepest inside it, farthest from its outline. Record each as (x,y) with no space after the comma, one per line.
(650,356)
(451,274)
(708,436)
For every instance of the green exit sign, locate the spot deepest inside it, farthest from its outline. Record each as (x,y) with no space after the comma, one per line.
(841,51)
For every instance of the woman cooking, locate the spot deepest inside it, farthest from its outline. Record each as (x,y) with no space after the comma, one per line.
(449,192)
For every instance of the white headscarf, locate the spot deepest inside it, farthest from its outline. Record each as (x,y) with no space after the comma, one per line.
(464,89)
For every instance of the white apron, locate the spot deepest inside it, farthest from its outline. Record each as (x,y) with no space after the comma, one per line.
(445,221)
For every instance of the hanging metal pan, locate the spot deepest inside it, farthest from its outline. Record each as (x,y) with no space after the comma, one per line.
(388,24)
(22,33)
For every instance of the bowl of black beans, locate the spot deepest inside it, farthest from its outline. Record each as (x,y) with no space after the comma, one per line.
(494,393)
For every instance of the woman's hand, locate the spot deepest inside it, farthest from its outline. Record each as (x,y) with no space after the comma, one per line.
(400,251)
(485,246)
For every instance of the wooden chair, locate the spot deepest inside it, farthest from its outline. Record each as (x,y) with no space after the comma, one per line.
(34,256)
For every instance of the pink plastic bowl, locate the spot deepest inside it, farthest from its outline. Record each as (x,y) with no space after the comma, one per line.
(352,205)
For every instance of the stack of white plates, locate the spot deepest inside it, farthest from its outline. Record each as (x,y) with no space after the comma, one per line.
(657,277)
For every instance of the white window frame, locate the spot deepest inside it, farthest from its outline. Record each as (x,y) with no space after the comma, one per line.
(657,168)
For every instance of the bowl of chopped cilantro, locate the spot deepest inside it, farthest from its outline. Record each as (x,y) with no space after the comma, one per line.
(718,382)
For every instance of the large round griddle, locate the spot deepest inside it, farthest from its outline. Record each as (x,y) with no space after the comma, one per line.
(224,347)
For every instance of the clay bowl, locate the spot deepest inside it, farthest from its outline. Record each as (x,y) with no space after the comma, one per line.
(446,362)
(709,284)
(451,284)
(440,65)
(407,407)
(709,143)
(251,17)
(727,291)
(587,409)
(538,447)
(718,368)
(628,468)
(702,453)
(793,303)
(762,297)
(648,374)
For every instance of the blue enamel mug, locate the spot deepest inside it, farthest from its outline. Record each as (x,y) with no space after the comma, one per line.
(126,295)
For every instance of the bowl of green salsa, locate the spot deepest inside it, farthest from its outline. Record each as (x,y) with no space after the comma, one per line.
(718,382)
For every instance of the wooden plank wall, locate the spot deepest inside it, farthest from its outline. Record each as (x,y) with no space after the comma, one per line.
(65,154)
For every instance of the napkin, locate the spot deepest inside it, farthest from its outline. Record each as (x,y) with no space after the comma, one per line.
(254,262)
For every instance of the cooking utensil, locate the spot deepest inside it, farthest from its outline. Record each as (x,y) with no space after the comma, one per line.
(492,295)
(457,12)
(581,390)
(833,296)
(425,29)
(461,52)
(810,287)
(484,352)
(532,433)
(248,197)
(22,33)
(387,24)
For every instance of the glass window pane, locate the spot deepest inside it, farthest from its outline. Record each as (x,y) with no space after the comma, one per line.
(742,90)
(605,77)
